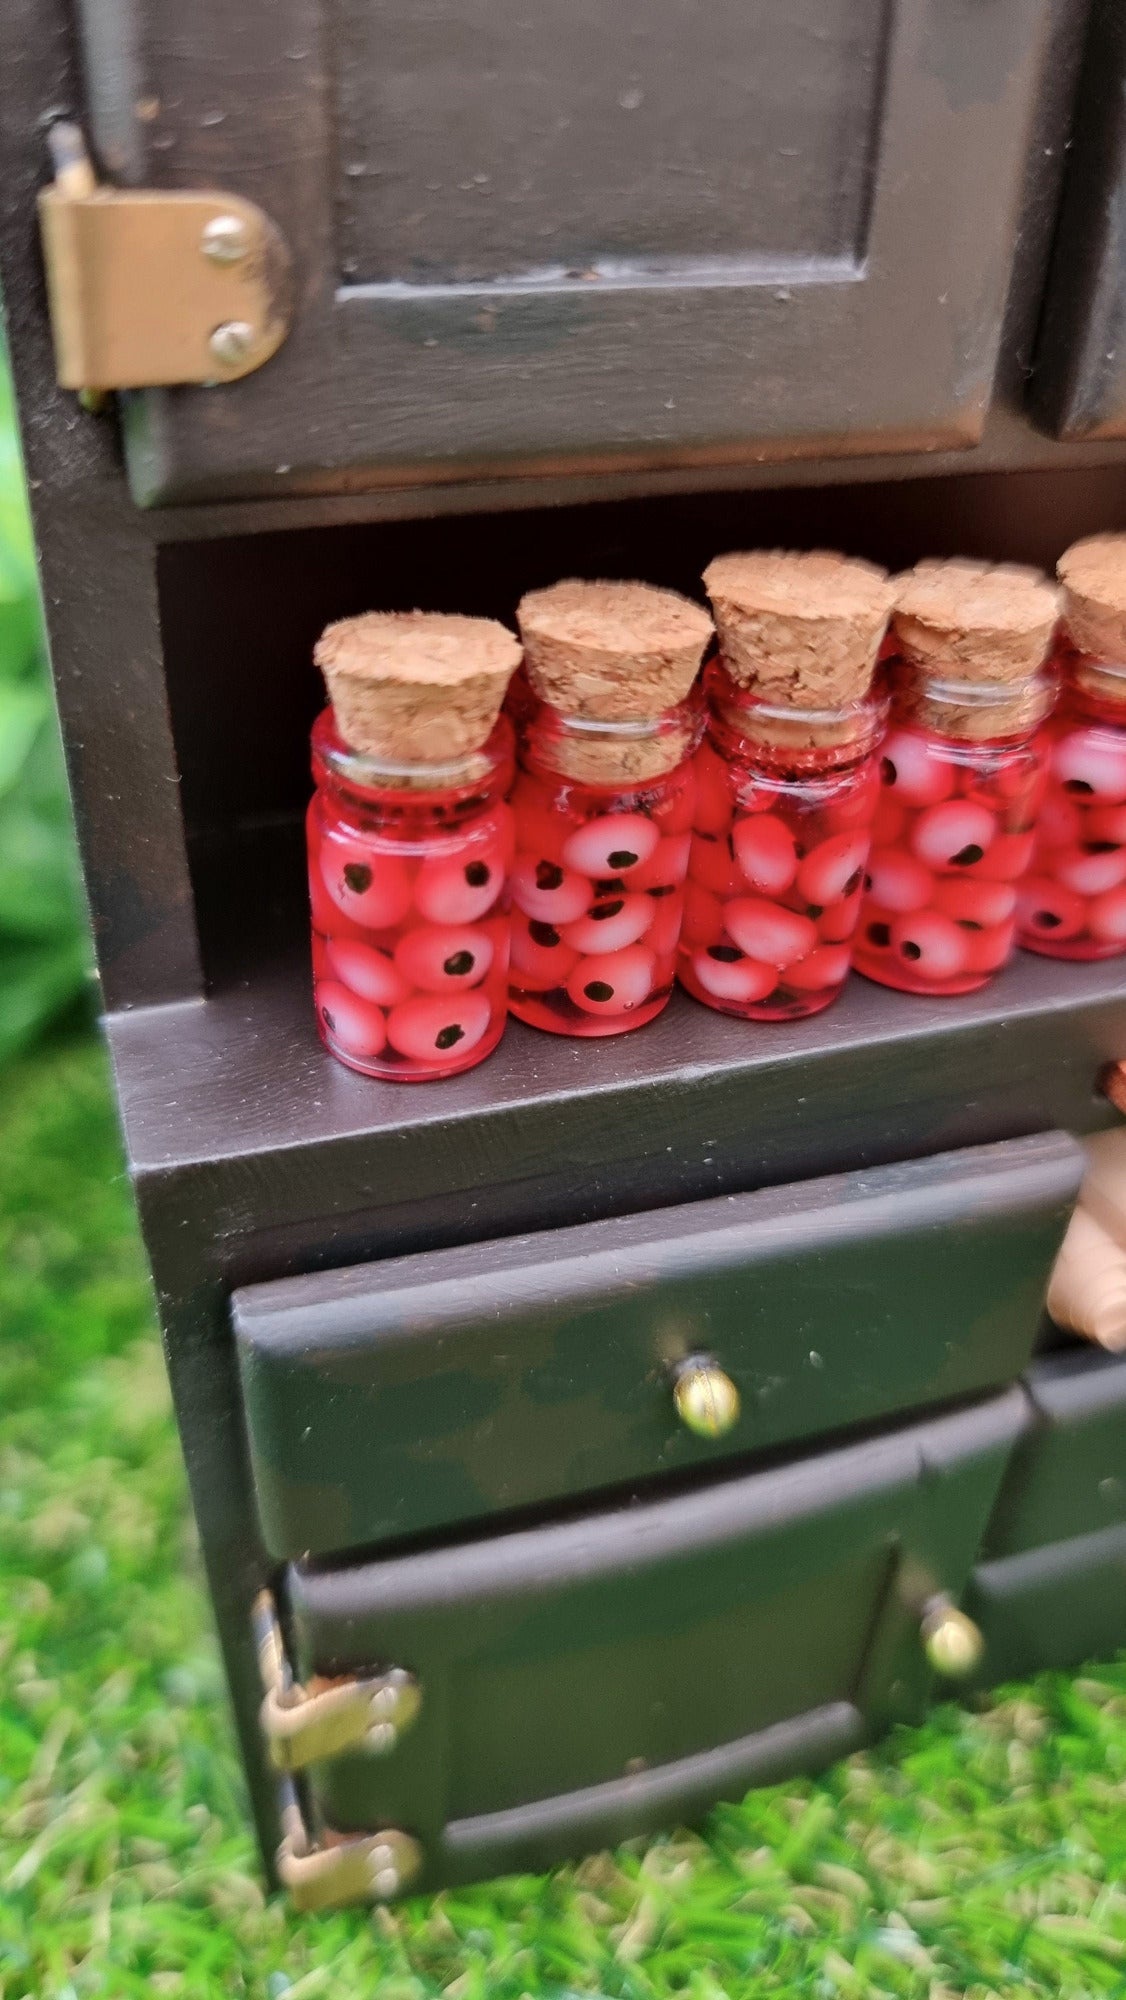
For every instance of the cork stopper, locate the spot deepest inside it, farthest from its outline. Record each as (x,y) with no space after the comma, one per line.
(1093,575)
(416,687)
(975,621)
(801,628)
(611,652)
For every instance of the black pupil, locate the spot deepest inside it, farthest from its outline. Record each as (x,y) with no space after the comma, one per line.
(853,882)
(1047,920)
(607,910)
(446,1037)
(326,1017)
(910,950)
(477,874)
(459,964)
(548,876)
(357,876)
(542,933)
(621,858)
(726,953)
(598,990)
(1079,785)
(880,933)
(887,771)
(966,855)
(1100,846)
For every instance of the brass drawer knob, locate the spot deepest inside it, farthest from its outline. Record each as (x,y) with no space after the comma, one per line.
(707,1401)
(953,1644)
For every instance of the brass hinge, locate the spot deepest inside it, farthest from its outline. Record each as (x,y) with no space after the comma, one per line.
(302,1725)
(339,1868)
(343,1868)
(148,287)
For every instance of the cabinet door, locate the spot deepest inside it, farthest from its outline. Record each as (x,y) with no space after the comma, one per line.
(593,1677)
(534,233)
(1079,385)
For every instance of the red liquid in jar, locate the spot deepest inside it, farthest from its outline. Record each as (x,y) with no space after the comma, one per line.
(952,839)
(409,898)
(1072,904)
(779,846)
(598,893)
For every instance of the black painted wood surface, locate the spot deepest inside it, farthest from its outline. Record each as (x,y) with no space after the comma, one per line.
(421,1392)
(570,235)
(588,1678)
(1079,383)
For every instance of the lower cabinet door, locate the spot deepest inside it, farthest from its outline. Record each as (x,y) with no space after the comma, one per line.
(1050,1588)
(597,1675)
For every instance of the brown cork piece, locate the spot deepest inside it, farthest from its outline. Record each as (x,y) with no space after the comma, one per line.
(1093,575)
(975,621)
(416,687)
(612,652)
(800,627)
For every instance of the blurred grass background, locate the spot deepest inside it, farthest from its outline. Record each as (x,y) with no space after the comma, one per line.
(982,1855)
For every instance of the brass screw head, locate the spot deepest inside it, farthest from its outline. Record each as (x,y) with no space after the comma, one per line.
(707,1401)
(225,239)
(953,1644)
(231,342)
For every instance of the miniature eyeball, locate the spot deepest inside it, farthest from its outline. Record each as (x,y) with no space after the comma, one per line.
(353,1024)
(611,845)
(912,771)
(366,971)
(444,958)
(430,1027)
(613,982)
(766,853)
(764,931)
(373,889)
(727,974)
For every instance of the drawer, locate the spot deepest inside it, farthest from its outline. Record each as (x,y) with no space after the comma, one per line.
(414,1394)
(589,1678)
(1050,1589)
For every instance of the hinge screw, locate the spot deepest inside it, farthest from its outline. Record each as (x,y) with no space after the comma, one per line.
(226,239)
(231,342)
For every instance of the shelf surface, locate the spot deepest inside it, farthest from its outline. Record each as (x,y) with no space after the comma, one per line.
(235,1095)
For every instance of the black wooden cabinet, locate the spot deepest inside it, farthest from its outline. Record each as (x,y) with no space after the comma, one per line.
(599,290)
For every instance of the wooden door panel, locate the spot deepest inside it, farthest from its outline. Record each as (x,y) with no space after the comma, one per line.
(583,236)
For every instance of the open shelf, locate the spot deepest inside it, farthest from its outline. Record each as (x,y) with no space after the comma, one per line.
(234,1097)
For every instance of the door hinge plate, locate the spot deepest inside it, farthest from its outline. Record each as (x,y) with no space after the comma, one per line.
(303,1724)
(151,287)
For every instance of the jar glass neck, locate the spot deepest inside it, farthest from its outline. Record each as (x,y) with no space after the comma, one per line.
(592,750)
(942,701)
(1098,686)
(482,775)
(745,724)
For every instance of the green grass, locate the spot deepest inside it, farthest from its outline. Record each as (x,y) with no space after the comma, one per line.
(981,1855)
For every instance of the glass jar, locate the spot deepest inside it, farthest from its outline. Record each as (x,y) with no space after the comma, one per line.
(603,823)
(784,803)
(1073,902)
(408,884)
(961,779)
